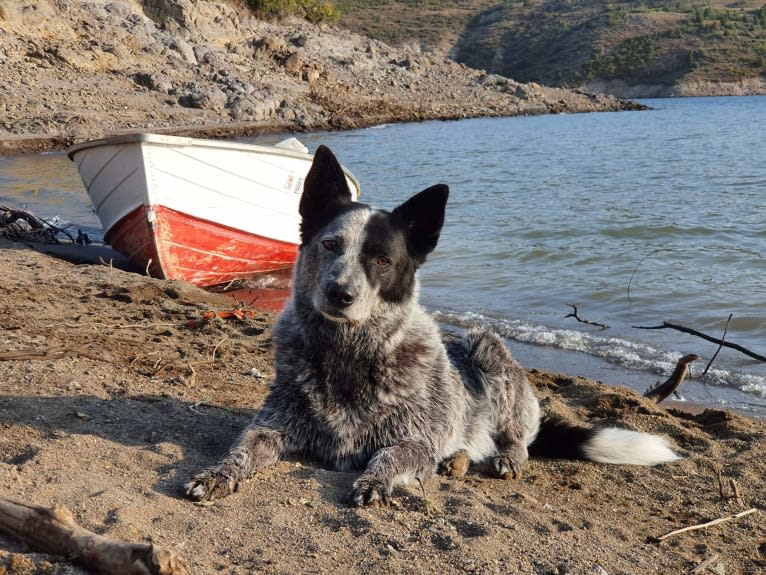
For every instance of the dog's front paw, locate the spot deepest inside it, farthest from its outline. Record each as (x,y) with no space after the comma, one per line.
(210,484)
(369,491)
(456,465)
(506,467)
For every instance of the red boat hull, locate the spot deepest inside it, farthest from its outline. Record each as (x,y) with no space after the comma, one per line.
(172,245)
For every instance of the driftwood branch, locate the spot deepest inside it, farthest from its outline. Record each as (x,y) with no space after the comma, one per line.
(575,315)
(54,530)
(720,345)
(34,229)
(667,325)
(661,391)
(708,524)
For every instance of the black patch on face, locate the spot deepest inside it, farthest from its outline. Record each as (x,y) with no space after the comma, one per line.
(386,240)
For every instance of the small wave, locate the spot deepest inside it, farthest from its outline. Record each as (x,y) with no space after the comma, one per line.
(627,354)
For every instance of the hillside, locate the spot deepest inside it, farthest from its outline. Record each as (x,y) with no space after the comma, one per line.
(73,70)
(630,49)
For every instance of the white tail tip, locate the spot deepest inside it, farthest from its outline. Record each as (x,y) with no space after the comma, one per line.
(625,447)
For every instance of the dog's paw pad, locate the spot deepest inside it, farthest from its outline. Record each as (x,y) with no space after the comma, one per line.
(369,492)
(455,466)
(209,485)
(506,468)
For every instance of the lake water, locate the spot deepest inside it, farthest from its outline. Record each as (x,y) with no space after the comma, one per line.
(635,217)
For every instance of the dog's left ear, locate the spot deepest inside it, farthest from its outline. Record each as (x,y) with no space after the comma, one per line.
(423,218)
(325,193)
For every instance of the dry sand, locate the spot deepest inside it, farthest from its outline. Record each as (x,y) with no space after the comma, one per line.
(115,400)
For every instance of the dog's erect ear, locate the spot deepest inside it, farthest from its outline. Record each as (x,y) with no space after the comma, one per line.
(423,217)
(325,193)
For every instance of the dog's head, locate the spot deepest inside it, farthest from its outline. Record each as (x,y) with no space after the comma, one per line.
(356,261)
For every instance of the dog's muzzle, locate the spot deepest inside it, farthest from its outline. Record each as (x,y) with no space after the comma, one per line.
(340,296)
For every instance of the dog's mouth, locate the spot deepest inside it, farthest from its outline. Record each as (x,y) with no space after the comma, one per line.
(334,315)
(332,312)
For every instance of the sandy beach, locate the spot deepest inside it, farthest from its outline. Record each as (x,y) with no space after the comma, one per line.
(112,393)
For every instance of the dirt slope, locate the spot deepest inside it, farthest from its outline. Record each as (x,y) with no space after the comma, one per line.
(72,70)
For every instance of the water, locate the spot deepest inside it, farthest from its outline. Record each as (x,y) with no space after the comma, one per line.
(635,217)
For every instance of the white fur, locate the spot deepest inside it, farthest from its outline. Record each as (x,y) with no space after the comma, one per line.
(622,446)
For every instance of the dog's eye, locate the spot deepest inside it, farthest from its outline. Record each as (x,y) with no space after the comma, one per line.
(382,261)
(330,245)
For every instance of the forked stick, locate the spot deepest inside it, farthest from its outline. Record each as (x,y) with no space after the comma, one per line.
(54,530)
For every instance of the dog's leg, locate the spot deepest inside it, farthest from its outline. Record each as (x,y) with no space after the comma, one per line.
(257,447)
(511,454)
(510,402)
(399,463)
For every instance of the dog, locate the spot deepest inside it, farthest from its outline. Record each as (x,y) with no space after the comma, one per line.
(364,378)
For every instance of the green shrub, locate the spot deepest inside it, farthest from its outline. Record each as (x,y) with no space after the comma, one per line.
(312,10)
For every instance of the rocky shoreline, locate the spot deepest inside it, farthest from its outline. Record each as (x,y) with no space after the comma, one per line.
(73,71)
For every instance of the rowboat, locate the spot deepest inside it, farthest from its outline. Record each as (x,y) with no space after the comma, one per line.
(205,211)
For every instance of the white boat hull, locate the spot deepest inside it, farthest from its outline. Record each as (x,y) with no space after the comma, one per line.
(194,209)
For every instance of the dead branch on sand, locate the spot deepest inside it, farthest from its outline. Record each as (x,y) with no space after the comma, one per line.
(708,524)
(667,325)
(575,315)
(660,391)
(54,530)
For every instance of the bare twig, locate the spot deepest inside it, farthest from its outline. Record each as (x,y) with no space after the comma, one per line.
(50,354)
(661,391)
(54,530)
(575,315)
(708,524)
(720,484)
(111,260)
(630,281)
(736,496)
(193,378)
(121,325)
(705,564)
(215,349)
(29,354)
(666,325)
(57,230)
(148,265)
(715,355)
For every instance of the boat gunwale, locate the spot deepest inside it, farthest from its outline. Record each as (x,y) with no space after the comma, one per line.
(171,141)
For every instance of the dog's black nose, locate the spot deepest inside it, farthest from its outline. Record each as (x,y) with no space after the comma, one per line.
(340,295)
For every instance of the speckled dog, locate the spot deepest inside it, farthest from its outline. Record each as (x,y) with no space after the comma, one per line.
(364,379)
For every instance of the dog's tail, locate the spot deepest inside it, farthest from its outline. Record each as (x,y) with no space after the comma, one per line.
(561,440)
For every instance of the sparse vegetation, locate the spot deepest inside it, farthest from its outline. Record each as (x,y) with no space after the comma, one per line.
(568,42)
(312,10)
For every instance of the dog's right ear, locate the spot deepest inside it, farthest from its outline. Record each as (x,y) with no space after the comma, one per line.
(325,193)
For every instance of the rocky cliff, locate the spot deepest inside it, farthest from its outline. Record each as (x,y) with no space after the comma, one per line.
(71,70)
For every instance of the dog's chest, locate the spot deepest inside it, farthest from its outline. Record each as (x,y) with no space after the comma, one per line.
(358,407)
